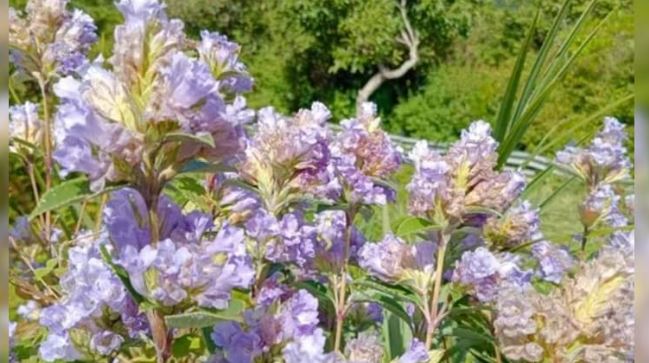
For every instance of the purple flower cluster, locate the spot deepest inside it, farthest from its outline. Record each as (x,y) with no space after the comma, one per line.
(604,160)
(449,186)
(393,260)
(519,225)
(94,300)
(293,319)
(50,38)
(307,246)
(289,155)
(485,273)
(222,57)
(602,206)
(330,247)
(553,260)
(364,154)
(153,90)
(185,264)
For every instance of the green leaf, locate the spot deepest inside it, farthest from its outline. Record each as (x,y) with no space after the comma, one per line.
(435,355)
(206,318)
(62,195)
(413,225)
(540,60)
(200,166)
(204,138)
(207,339)
(393,335)
(503,120)
(186,344)
(50,265)
(65,194)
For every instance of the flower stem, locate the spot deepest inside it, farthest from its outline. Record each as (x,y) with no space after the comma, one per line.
(160,334)
(341,303)
(47,141)
(432,323)
(159,331)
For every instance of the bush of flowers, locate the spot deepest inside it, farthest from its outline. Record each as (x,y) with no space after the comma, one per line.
(174,223)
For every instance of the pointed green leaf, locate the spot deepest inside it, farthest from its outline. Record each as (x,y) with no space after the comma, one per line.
(413,225)
(204,138)
(206,318)
(503,120)
(65,194)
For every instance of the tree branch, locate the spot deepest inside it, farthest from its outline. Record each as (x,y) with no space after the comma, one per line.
(410,39)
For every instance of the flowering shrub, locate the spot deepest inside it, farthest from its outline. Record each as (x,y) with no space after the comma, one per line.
(199,239)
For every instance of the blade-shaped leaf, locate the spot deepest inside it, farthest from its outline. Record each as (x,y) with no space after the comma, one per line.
(65,194)
(204,138)
(504,113)
(413,225)
(556,192)
(206,318)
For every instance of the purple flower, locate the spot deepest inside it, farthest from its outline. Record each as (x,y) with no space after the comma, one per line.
(272,291)
(296,242)
(450,186)
(238,346)
(363,154)
(475,147)
(222,56)
(85,140)
(330,227)
(90,290)
(485,272)
(126,218)
(51,38)
(384,259)
(58,347)
(364,348)
(623,241)
(205,271)
(391,259)
(190,96)
(141,11)
(553,261)
(416,353)
(602,206)
(290,153)
(519,225)
(299,315)
(430,181)
(146,29)
(604,160)
(307,348)
(106,342)
(262,226)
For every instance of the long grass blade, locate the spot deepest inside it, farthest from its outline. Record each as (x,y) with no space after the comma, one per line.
(570,39)
(540,60)
(504,113)
(557,192)
(538,178)
(551,138)
(536,104)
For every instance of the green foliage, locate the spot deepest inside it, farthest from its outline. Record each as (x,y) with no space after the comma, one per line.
(467,87)
(453,96)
